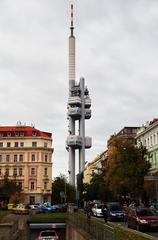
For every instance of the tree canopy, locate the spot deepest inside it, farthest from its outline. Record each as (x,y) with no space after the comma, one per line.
(60,188)
(126,167)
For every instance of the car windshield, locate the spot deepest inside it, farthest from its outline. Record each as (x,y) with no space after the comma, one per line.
(145,212)
(48,234)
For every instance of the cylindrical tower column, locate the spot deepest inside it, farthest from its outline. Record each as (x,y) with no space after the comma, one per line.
(71,84)
(82,128)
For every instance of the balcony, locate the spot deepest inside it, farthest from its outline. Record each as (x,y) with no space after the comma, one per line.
(74,141)
(74,112)
(87,113)
(88,142)
(75,100)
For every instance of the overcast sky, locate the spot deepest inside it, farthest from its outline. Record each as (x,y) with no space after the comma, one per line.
(116,52)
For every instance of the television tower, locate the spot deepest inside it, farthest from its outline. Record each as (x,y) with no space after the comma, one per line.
(79,104)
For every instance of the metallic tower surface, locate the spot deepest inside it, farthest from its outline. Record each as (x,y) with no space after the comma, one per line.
(79,104)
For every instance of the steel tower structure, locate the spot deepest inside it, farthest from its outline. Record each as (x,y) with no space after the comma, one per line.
(79,104)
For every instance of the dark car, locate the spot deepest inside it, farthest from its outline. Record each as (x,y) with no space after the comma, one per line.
(142,219)
(115,211)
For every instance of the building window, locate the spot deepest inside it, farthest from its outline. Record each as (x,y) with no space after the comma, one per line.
(33,158)
(15,172)
(34,134)
(34,144)
(8,144)
(154,139)
(9,134)
(21,134)
(32,185)
(45,172)
(20,172)
(21,158)
(45,144)
(33,173)
(1,144)
(16,144)
(0,158)
(7,158)
(0,171)
(20,185)
(45,158)
(45,185)
(7,171)
(1,134)
(15,158)
(21,144)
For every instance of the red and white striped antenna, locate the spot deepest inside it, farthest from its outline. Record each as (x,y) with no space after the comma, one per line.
(72,20)
(72,15)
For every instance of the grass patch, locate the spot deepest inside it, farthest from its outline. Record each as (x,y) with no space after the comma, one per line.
(48,217)
(3,213)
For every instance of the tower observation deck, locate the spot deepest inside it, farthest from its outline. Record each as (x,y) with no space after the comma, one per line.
(79,104)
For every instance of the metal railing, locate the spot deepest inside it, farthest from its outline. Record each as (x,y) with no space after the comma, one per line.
(98,231)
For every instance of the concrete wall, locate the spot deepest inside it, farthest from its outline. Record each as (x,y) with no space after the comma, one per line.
(9,231)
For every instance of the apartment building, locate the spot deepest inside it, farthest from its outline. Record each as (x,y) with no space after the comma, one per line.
(26,157)
(148,137)
(94,166)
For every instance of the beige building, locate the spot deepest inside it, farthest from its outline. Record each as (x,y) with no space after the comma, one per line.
(26,156)
(94,166)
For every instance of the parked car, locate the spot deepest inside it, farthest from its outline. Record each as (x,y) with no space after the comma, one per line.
(34,206)
(115,211)
(48,234)
(20,209)
(142,219)
(46,208)
(97,210)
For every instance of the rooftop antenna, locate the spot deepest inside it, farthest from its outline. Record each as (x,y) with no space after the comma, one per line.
(72,22)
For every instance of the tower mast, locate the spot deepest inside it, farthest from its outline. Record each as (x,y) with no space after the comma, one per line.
(78,110)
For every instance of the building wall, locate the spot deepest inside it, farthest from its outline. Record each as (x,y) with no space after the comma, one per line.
(148,137)
(28,160)
(94,167)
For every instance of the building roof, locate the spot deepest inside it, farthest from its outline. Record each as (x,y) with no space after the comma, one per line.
(22,131)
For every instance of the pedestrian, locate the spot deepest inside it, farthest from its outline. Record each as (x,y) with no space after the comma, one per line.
(105,213)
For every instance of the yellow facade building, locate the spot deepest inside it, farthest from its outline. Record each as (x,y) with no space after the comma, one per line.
(26,157)
(94,166)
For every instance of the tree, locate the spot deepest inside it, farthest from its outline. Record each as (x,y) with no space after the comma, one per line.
(126,167)
(9,188)
(97,189)
(60,188)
